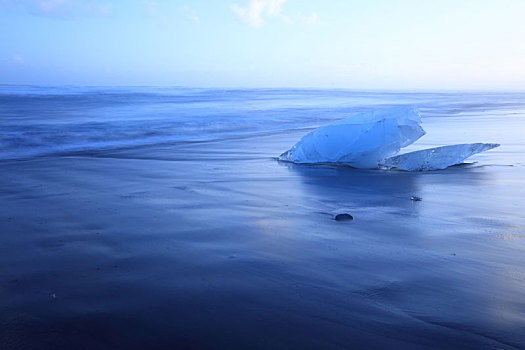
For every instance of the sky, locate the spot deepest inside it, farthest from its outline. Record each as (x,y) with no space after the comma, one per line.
(357,44)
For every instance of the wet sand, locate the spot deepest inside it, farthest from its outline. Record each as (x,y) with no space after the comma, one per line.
(216,245)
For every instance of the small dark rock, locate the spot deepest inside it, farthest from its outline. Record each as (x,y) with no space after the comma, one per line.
(415,198)
(343,217)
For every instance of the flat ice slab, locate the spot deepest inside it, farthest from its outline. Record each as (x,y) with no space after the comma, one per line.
(436,158)
(361,140)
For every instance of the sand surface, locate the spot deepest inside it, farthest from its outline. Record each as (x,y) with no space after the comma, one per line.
(216,245)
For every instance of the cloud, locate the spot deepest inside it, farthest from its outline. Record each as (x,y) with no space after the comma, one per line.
(49,6)
(17,59)
(312,19)
(191,14)
(255,12)
(166,15)
(59,8)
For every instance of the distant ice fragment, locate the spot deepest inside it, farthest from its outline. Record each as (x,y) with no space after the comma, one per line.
(361,140)
(436,158)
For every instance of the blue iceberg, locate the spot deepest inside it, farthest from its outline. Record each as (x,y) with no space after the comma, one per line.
(373,139)
(361,141)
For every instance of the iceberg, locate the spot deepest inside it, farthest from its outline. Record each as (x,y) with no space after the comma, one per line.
(361,141)
(436,158)
(373,140)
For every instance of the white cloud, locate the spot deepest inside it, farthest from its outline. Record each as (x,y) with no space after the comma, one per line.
(166,15)
(49,6)
(60,8)
(17,59)
(255,11)
(312,19)
(191,14)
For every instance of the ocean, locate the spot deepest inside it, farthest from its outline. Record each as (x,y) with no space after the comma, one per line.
(43,121)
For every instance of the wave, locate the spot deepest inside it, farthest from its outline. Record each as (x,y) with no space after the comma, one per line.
(44,121)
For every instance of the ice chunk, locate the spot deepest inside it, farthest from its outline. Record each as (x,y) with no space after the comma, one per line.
(436,158)
(361,140)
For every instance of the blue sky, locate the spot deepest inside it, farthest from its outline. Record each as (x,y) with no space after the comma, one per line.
(373,44)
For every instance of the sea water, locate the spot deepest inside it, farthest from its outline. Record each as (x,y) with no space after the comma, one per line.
(47,121)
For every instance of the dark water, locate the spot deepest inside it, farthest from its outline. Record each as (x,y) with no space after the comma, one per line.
(148,218)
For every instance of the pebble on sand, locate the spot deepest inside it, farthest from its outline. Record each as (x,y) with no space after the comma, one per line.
(343,217)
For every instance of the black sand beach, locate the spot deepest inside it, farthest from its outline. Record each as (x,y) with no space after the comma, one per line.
(262,175)
(216,245)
